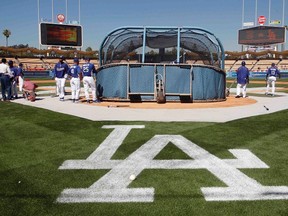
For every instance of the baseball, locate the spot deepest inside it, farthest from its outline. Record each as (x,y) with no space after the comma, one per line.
(132,177)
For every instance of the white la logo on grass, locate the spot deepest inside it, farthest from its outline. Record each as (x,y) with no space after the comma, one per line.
(113,186)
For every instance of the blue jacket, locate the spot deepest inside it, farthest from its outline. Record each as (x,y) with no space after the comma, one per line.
(61,69)
(242,75)
(14,71)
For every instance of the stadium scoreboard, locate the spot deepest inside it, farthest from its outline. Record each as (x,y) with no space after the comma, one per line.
(261,35)
(60,35)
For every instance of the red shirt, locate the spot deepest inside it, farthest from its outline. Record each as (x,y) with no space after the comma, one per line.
(28,85)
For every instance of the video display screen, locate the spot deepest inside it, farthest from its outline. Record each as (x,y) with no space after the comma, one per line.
(60,35)
(261,35)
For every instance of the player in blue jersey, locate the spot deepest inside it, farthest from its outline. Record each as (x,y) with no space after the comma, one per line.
(89,72)
(14,71)
(61,70)
(75,75)
(271,75)
(242,80)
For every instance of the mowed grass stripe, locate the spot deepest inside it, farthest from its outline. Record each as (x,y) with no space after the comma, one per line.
(35,142)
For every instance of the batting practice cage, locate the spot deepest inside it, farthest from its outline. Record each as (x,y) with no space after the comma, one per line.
(161,64)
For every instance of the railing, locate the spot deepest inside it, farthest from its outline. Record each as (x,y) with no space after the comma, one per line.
(37,74)
(261,75)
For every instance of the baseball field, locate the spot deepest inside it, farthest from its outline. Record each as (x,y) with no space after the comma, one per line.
(54,163)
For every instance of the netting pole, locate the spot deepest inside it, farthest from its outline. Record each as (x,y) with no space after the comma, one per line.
(178,46)
(144,45)
(191,83)
(128,81)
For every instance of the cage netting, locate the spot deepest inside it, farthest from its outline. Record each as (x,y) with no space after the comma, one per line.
(161,45)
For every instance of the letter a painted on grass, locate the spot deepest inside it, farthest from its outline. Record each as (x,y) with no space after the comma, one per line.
(113,186)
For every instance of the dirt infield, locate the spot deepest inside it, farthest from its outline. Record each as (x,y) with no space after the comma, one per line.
(230,102)
(228,81)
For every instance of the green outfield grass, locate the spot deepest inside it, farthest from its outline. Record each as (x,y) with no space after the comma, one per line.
(256,82)
(35,142)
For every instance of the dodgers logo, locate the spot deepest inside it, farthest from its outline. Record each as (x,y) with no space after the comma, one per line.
(113,186)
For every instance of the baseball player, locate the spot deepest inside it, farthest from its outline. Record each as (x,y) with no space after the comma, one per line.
(75,74)
(20,77)
(242,79)
(89,71)
(14,71)
(61,70)
(271,75)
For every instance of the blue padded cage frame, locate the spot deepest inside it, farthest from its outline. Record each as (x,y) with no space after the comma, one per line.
(195,83)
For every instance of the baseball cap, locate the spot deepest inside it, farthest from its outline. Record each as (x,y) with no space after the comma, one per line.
(76,60)
(87,58)
(62,57)
(10,62)
(243,63)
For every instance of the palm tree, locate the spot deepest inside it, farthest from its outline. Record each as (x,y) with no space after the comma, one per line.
(7,33)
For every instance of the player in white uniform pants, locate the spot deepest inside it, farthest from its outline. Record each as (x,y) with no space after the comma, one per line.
(89,71)
(271,75)
(242,80)
(61,70)
(20,77)
(14,71)
(75,73)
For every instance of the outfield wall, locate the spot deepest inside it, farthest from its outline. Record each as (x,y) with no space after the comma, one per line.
(232,74)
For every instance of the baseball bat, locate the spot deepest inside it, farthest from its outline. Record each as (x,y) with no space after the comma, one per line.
(67,62)
(116,106)
(17,60)
(45,64)
(280,59)
(254,64)
(233,65)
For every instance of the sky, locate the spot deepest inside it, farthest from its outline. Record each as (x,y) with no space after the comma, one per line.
(99,17)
